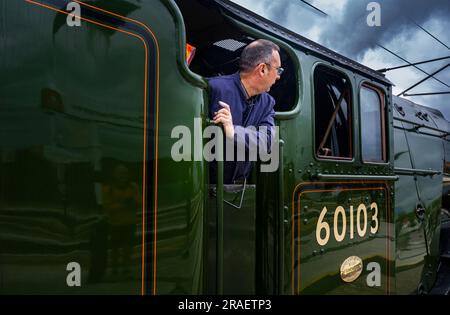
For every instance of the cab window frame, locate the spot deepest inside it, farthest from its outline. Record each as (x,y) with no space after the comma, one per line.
(382,96)
(351,112)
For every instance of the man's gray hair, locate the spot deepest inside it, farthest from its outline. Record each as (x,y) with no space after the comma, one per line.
(258,51)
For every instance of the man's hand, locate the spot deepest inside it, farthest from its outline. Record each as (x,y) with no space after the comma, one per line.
(224,117)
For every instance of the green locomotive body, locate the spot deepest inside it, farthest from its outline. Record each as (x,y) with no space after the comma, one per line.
(92,200)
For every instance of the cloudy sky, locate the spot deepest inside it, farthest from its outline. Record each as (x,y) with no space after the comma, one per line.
(403,30)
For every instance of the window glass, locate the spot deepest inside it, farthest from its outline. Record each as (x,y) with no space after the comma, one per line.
(333,128)
(372,125)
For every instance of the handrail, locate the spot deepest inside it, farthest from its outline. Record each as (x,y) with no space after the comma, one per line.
(416,171)
(443,135)
(418,126)
(180,27)
(219,217)
(281,220)
(356,177)
(219,207)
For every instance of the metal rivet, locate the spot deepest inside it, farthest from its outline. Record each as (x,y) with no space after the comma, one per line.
(299,171)
(314,253)
(305,221)
(305,208)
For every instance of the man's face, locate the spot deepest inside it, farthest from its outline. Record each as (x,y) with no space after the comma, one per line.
(271,75)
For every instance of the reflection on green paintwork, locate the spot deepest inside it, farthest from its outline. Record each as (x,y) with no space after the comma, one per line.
(87,177)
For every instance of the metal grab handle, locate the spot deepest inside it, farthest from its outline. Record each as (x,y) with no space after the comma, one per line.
(219,207)
(244,186)
(280,253)
(219,217)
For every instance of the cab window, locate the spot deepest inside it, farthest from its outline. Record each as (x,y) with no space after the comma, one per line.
(218,46)
(373,143)
(333,114)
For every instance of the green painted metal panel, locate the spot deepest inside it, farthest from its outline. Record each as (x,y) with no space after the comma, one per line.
(410,241)
(326,231)
(87,173)
(95,101)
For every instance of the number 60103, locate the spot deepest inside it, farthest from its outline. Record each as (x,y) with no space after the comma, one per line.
(340,216)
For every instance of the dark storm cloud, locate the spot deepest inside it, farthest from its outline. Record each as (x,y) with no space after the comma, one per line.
(293,14)
(352,36)
(345,30)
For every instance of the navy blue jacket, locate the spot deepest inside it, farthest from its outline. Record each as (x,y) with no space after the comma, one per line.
(257,111)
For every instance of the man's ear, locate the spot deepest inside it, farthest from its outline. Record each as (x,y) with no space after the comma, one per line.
(263,70)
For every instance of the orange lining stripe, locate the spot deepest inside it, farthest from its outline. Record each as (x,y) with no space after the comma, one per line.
(349,189)
(145,121)
(156,149)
